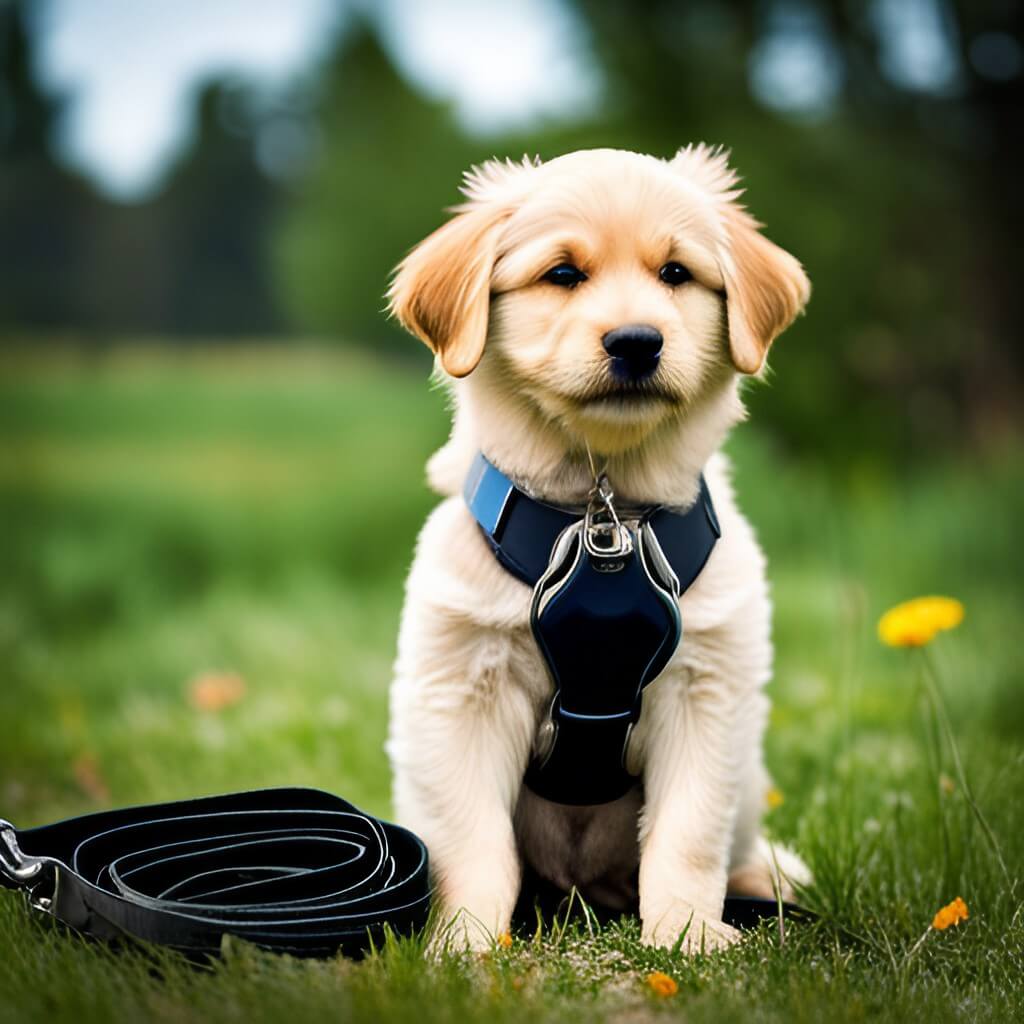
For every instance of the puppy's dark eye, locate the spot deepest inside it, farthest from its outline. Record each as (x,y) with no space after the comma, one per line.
(674,273)
(565,275)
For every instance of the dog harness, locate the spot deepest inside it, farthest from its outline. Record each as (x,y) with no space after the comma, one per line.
(605,616)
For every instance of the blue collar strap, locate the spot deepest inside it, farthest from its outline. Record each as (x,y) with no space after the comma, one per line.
(605,616)
(522,530)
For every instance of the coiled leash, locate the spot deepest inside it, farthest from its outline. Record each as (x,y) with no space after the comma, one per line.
(605,616)
(293,870)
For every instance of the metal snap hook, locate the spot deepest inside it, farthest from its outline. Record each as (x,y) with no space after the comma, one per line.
(13,862)
(604,535)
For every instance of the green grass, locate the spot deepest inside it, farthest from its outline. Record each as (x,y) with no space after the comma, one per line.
(168,513)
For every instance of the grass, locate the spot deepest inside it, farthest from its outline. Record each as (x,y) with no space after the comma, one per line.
(167,514)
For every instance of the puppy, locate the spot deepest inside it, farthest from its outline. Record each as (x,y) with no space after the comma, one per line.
(515,295)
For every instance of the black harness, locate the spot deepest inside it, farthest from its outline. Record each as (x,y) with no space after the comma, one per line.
(605,615)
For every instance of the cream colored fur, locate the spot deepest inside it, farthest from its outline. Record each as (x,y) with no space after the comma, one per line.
(530,384)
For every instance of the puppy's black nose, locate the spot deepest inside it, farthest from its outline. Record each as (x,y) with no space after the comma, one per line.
(634,350)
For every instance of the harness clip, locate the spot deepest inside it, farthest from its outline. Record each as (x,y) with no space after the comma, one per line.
(17,865)
(605,538)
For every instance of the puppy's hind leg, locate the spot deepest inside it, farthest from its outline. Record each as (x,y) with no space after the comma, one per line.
(770,870)
(758,866)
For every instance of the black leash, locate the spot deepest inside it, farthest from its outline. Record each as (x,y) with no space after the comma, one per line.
(292,870)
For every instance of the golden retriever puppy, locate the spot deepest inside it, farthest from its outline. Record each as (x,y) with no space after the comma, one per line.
(517,295)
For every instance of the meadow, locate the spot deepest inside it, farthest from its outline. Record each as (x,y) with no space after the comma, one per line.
(242,518)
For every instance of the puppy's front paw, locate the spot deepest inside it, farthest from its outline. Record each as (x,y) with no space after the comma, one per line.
(700,933)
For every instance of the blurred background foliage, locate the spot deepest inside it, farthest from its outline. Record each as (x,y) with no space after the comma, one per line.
(895,180)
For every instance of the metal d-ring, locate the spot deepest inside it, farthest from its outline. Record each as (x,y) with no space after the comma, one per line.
(547,732)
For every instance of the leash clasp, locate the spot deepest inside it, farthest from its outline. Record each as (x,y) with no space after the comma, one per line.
(604,536)
(18,866)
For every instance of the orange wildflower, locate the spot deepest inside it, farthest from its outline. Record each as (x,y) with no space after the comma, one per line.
(951,913)
(505,940)
(915,623)
(86,769)
(214,691)
(661,984)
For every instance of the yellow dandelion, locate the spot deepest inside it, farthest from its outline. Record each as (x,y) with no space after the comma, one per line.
(774,798)
(661,984)
(915,623)
(505,940)
(952,913)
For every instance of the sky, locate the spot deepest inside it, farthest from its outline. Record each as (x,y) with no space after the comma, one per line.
(133,68)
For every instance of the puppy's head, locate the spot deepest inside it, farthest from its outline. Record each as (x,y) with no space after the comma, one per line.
(608,288)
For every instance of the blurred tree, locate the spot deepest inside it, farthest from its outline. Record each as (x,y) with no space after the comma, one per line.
(990,125)
(391,160)
(43,209)
(195,258)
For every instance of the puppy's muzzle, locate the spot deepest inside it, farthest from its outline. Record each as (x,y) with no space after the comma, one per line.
(634,351)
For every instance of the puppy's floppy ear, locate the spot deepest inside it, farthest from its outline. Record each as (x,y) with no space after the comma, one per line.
(765,286)
(441,290)
(765,289)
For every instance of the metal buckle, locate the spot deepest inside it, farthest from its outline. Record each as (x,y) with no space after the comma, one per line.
(547,732)
(604,535)
(631,764)
(13,862)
